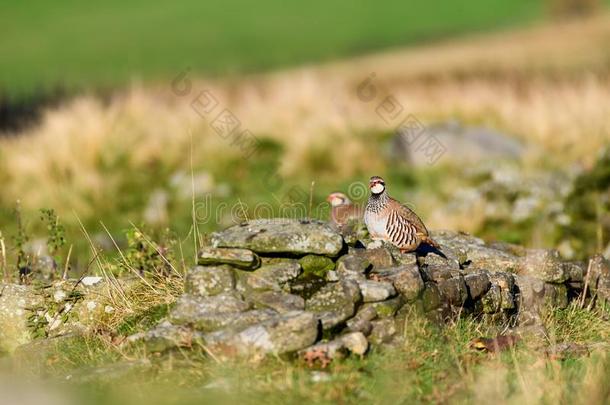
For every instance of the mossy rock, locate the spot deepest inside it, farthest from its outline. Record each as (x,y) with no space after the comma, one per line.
(431,297)
(387,308)
(316,265)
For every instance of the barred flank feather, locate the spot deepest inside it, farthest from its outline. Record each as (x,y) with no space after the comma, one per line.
(400,231)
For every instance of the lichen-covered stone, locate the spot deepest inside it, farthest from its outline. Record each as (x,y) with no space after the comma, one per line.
(407,280)
(379,258)
(207,321)
(599,277)
(241,258)
(506,283)
(315,264)
(453,291)
(278,301)
(281,236)
(404,259)
(65,306)
(387,308)
(166,336)
(438,273)
(543,264)
(473,254)
(14,303)
(531,300)
(285,333)
(477,284)
(556,295)
(207,313)
(431,297)
(493,260)
(455,240)
(335,302)
(383,331)
(438,261)
(208,281)
(575,271)
(361,322)
(491,301)
(374,291)
(226,302)
(352,266)
(270,276)
(455,245)
(603,288)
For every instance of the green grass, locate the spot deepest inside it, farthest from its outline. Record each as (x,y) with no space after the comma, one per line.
(433,363)
(69,43)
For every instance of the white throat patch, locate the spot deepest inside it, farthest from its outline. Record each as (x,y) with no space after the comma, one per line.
(377,188)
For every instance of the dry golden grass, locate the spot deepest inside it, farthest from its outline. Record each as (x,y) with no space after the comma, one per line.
(548,86)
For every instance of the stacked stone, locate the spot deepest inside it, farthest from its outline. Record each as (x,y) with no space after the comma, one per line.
(502,281)
(285,286)
(60,308)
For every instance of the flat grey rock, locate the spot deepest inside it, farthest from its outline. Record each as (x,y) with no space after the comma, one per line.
(373,291)
(279,301)
(281,334)
(242,258)
(281,236)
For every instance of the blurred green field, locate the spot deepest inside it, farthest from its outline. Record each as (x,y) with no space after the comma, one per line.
(70,44)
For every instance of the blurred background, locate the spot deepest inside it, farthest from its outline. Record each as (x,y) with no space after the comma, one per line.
(180,118)
(490,117)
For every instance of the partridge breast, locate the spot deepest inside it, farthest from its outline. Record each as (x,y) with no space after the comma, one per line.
(376,224)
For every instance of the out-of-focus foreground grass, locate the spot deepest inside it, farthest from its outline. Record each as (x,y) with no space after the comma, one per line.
(433,364)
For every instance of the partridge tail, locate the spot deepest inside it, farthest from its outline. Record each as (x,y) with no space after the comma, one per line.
(428,240)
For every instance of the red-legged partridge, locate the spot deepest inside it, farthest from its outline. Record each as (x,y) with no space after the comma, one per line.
(342,210)
(390,221)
